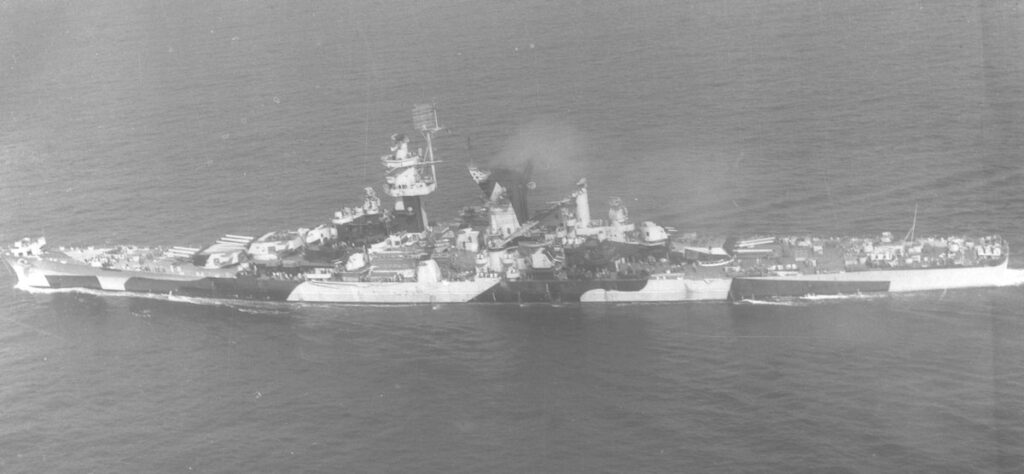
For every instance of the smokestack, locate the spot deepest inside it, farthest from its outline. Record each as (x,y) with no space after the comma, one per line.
(582,204)
(514,183)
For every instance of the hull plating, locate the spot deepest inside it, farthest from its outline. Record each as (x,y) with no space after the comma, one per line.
(48,274)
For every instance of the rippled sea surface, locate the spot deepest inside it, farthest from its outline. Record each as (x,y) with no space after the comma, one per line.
(173,123)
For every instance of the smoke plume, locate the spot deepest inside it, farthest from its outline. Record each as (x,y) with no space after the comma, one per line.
(556,150)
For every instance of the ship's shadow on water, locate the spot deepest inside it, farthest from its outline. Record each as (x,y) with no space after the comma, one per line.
(876,375)
(124,324)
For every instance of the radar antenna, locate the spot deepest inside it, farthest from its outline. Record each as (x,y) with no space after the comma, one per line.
(424,119)
(910,234)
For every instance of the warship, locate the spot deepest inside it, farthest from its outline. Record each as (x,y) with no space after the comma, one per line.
(500,252)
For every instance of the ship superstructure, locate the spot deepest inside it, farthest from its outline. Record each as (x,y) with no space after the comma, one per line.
(376,252)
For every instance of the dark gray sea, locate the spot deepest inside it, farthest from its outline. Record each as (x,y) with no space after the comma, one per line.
(172,123)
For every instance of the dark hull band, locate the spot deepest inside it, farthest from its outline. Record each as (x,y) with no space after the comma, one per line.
(222,288)
(756,289)
(87,282)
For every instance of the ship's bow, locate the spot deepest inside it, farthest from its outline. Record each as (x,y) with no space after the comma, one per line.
(22,267)
(17,268)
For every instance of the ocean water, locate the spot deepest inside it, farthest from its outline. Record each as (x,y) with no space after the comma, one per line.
(168,124)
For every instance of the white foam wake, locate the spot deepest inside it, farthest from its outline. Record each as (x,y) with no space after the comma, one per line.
(811,299)
(237,304)
(861,296)
(241,305)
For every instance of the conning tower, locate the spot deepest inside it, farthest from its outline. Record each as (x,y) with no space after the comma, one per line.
(412,175)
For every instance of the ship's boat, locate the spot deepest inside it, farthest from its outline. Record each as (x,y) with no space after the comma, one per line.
(499,252)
